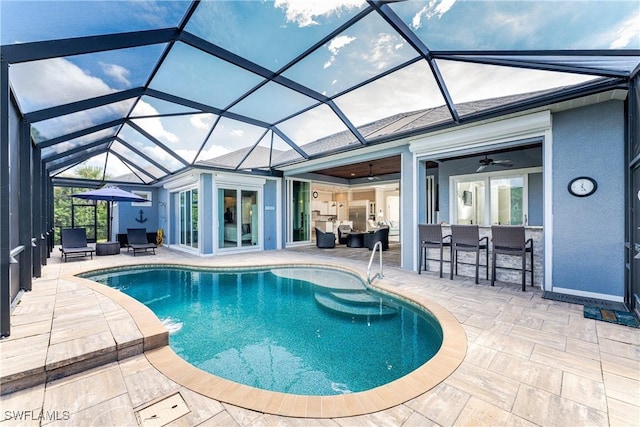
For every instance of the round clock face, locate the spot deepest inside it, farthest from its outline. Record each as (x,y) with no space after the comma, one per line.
(582,186)
(315,194)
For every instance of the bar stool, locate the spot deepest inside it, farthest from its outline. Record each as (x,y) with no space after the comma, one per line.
(466,238)
(431,237)
(510,240)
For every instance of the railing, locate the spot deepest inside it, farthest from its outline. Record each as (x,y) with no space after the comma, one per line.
(376,247)
(14,253)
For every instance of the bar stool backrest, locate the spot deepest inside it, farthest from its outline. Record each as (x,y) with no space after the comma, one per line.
(508,237)
(465,235)
(430,233)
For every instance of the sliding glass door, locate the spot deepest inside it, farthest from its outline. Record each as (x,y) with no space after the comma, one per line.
(299,222)
(238,218)
(189,218)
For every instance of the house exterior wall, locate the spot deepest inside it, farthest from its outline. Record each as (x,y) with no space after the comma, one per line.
(270,215)
(128,216)
(588,233)
(408,233)
(207,215)
(168,212)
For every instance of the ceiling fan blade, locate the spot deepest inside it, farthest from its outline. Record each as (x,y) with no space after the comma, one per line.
(481,168)
(503,162)
(504,165)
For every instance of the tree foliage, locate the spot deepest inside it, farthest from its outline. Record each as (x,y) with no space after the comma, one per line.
(73,212)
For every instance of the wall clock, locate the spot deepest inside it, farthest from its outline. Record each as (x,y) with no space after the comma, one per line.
(582,186)
(315,194)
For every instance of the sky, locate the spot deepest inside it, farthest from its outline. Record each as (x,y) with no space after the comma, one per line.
(272,34)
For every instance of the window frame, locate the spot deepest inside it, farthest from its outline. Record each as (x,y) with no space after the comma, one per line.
(486,178)
(195,237)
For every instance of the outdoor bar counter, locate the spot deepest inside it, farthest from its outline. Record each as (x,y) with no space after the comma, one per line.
(511,276)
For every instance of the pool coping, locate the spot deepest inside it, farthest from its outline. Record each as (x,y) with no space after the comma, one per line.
(164,359)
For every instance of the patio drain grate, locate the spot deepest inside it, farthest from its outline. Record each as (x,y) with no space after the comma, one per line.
(574,299)
(163,412)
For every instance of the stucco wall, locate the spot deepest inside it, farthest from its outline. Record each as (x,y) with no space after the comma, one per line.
(408,235)
(129,216)
(588,232)
(270,196)
(205,200)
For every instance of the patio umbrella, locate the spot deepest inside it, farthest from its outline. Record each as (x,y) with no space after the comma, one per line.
(110,194)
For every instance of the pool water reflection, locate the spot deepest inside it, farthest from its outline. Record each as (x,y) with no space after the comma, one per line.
(273,330)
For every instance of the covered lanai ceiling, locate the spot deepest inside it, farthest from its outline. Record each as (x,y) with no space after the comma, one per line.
(145,89)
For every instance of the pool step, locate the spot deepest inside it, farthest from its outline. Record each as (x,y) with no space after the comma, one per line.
(354,305)
(355,297)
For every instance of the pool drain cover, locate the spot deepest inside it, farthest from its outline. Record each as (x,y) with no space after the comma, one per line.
(163,412)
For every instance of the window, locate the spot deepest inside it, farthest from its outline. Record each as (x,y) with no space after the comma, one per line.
(471,205)
(189,218)
(144,195)
(505,202)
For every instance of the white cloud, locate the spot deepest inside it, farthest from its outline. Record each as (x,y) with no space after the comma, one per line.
(382,50)
(334,47)
(406,90)
(153,125)
(339,42)
(435,8)
(305,12)
(627,33)
(118,73)
(51,82)
(202,121)
(494,81)
(238,133)
(212,152)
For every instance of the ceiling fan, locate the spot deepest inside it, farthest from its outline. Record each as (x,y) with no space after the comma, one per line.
(371,176)
(490,162)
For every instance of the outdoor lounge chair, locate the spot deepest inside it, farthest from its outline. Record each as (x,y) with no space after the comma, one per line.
(74,243)
(137,240)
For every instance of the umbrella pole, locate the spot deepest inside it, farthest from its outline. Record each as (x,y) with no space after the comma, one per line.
(110,226)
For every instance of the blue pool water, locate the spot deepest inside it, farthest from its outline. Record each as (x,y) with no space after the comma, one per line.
(274,330)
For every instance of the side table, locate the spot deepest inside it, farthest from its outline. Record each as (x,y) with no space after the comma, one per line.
(108,248)
(355,240)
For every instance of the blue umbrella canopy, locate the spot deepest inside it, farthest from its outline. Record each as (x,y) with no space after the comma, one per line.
(110,194)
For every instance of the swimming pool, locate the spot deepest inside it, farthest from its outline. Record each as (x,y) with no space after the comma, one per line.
(273,330)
